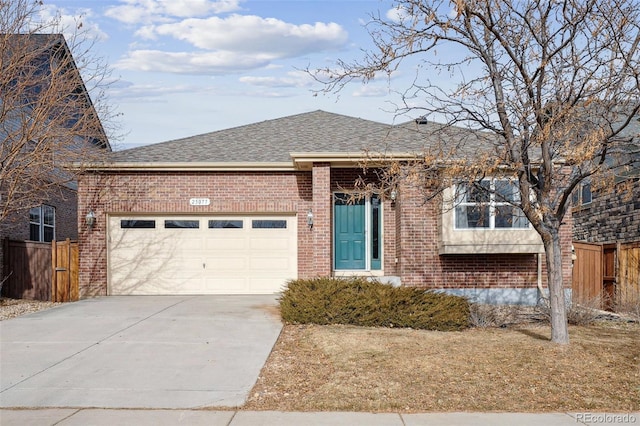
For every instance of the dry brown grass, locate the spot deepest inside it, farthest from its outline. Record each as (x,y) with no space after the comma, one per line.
(318,368)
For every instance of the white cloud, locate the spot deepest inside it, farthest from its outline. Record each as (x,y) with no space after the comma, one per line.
(191,62)
(80,23)
(146,32)
(296,79)
(397,14)
(148,92)
(232,44)
(371,91)
(153,11)
(249,33)
(268,94)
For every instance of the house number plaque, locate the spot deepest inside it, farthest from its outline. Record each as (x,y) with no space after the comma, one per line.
(199,202)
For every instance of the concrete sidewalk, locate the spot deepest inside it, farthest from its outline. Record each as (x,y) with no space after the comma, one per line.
(106,417)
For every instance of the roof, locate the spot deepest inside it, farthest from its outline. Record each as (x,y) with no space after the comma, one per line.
(47,48)
(284,141)
(631,150)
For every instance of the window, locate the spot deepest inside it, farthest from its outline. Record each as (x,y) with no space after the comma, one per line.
(192,224)
(218,224)
(582,194)
(585,192)
(272,224)
(42,224)
(489,204)
(137,224)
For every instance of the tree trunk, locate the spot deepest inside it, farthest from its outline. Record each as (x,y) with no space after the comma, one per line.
(559,325)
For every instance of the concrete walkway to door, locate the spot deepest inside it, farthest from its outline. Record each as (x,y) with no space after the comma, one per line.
(138,352)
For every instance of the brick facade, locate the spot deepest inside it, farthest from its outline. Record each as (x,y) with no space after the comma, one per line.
(410,226)
(611,217)
(421,265)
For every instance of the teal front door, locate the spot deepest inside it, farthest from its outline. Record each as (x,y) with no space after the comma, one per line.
(349,233)
(357,233)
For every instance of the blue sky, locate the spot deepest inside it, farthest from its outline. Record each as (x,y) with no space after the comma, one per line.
(186,67)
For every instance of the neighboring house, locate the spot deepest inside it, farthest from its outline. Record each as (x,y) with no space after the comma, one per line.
(606,234)
(611,214)
(608,216)
(52,214)
(245,209)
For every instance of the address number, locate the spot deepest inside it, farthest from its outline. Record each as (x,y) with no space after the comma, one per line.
(199,202)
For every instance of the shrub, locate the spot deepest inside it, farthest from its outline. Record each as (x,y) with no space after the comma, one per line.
(358,301)
(577,314)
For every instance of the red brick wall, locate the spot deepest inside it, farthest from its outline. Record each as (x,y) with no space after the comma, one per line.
(422,266)
(322,219)
(169,192)
(410,225)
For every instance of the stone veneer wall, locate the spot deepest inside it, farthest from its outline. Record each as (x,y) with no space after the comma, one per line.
(611,217)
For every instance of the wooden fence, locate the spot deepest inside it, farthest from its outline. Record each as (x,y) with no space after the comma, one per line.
(628,294)
(607,274)
(27,270)
(65,263)
(41,271)
(587,280)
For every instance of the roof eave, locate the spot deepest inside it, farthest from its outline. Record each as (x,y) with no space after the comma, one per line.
(186,166)
(305,160)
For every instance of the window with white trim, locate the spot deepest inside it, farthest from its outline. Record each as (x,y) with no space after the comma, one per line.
(42,223)
(489,204)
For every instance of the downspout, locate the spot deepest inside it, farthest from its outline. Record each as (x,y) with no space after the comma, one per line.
(539,283)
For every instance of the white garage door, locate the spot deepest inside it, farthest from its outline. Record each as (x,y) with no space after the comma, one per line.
(201,254)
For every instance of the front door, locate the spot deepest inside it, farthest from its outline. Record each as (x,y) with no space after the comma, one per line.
(357,242)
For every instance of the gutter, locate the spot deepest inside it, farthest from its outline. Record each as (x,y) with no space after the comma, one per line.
(183,166)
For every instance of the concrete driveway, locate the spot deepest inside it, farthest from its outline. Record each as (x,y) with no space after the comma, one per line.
(138,352)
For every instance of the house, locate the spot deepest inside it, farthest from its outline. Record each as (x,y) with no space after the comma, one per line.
(243,210)
(38,197)
(611,214)
(606,233)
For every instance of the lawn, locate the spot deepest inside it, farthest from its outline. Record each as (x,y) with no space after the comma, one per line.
(513,369)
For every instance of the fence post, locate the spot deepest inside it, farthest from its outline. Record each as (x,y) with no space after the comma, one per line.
(54,274)
(67,284)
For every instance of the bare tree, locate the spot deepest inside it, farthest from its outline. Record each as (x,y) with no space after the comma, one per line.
(551,85)
(47,118)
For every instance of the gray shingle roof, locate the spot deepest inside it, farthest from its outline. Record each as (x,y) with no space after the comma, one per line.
(273,141)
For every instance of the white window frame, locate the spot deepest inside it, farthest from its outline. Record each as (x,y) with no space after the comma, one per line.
(493,204)
(42,222)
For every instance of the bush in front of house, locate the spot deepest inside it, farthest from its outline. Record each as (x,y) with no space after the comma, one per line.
(358,301)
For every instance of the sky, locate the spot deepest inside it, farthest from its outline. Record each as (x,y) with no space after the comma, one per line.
(187,67)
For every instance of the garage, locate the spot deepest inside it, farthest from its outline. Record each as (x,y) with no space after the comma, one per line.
(157,255)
